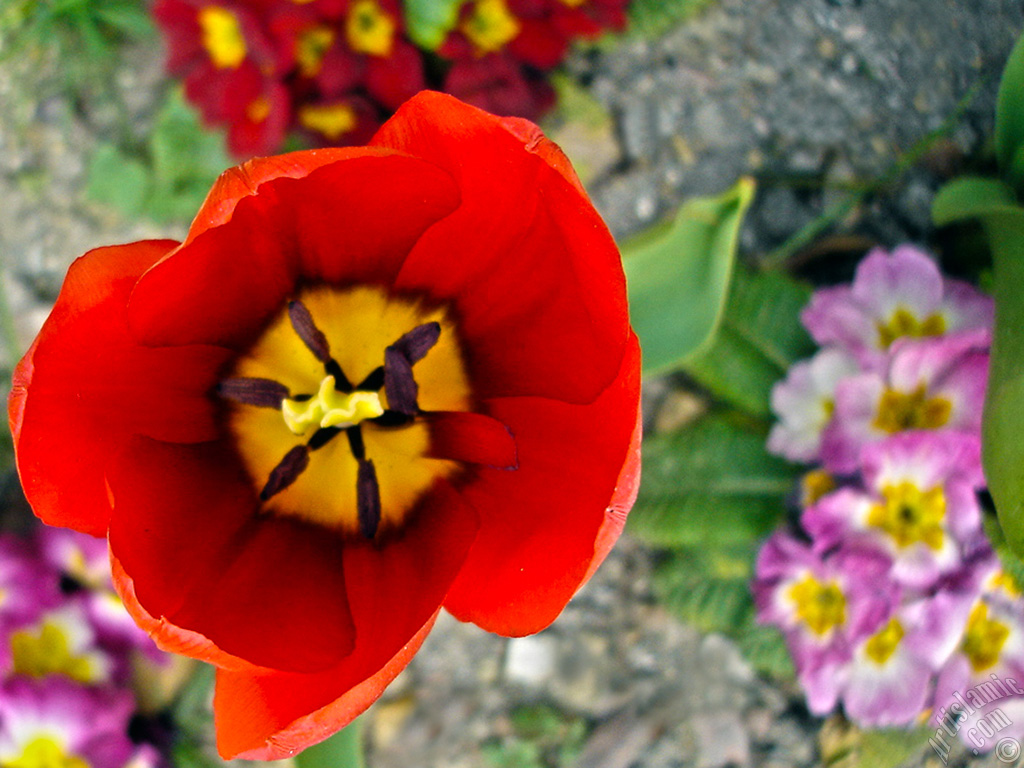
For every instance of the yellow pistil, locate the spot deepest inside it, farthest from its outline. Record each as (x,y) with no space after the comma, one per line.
(814,485)
(882,645)
(910,515)
(46,651)
(983,639)
(359,323)
(899,411)
(330,408)
(332,120)
(369,29)
(904,323)
(311,47)
(490,26)
(45,752)
(821,606)
(258,109)
(222,36)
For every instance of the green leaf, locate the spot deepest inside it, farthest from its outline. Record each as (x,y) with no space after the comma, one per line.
(765,648)
(709,483)
(890,747)
(1010,117)
(343,750)
(708,587)
(429,21)
(117,180)
(652,18)
(678,275)
(971,197)
(759,338)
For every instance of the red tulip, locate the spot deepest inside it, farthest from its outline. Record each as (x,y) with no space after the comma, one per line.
(371,383)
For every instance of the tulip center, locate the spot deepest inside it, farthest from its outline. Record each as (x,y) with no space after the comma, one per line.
(357,363)
(984,639)
(222,36)
(45,752)
(883,644)
(819,605)
(490,26)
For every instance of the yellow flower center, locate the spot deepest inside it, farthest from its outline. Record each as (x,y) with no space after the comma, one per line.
(311,47)
(44,752)
(573,3)
(821,606)
(46,651)
(814,485)
(899,411)
(910,515)
(369,29)
(1004,582)
(222,36)
(882,645)
(320,369)
(905,323)
(984,638)
(332,120)
(490,25)
(258,109)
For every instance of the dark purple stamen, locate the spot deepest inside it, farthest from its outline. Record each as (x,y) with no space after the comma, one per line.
(368,499)
(416,343)
(265,393)
(286,472)
(323,436)
(355,442)
(311,336)
(374,381)
(399,384)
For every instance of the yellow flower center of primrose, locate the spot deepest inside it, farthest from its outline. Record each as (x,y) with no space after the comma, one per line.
(904,323)
(332,120)
(490,26)
(899,411)
(882,645)
(1004,582)
(334,414)
(984,638)
(814,485)
(44,752)
(46,651)
(369,29)
(222,36)
(258,109)
(311,47)
(573,3)
(821,606)
(909,515)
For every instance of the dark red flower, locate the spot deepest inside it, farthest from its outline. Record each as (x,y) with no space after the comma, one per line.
(370,383)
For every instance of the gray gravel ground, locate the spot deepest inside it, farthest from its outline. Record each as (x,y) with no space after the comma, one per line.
(814,99)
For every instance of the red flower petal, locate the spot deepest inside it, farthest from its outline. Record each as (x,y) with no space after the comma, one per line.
(184,530)
(85,387)
(546,526)
(472,437)
(540,295)
(341,223)
(393,79)
(244,701)
(393,591)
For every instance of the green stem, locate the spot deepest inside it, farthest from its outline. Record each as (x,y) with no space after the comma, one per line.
(779,258)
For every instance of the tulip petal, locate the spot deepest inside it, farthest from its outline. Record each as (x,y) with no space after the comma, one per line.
(243,702)
(471,437)
(394,590)
(339,225)
(85,387)
(545,527)
(540,295)
(269,591)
